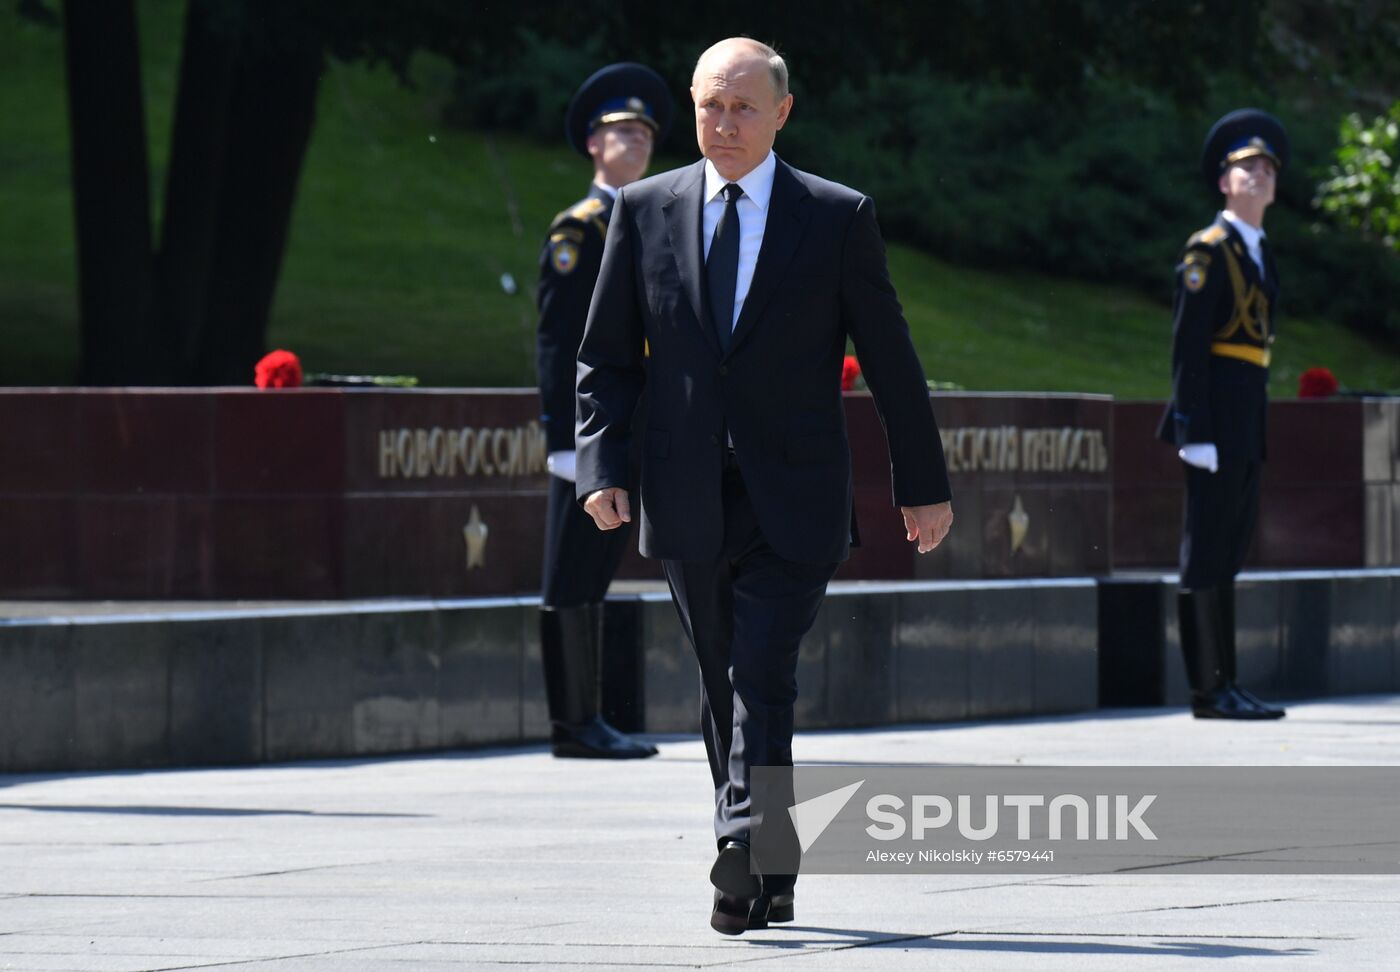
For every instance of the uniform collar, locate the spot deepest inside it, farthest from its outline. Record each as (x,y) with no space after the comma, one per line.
(605,188)
(757,185)
(1249,234)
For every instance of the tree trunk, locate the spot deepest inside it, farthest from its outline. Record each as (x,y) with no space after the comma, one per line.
(194,181)
(111,197)
(271,112)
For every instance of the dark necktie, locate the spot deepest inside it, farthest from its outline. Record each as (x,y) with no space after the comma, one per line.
(722,267)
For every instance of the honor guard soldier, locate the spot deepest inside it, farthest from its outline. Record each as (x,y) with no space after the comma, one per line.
(614,119)
(1222,338)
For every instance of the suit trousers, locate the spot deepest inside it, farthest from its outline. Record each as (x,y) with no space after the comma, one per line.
(579,559)
(1221,511)
(745,613)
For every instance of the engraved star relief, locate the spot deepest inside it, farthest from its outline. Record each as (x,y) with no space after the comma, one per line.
(1020,522)
(475,533)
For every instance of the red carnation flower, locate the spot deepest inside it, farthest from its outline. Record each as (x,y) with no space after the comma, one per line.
(850,371)
(1317,383)
(278,369)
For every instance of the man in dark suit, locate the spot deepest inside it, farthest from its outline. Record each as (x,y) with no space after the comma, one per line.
(746,277)
(613,120)
(1226,294)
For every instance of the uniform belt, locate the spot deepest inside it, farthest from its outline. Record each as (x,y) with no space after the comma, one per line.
(1243,352)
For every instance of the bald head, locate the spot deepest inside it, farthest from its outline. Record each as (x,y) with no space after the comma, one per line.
(743,49)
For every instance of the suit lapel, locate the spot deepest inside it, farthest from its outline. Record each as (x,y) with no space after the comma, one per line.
(787,219)
(683,227)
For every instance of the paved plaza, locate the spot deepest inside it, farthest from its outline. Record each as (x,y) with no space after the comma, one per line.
(509,858)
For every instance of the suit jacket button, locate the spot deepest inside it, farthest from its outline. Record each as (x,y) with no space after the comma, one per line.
(724,369)
(714,440)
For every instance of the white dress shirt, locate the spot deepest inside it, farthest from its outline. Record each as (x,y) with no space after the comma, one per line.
(753,218)
(1252,237)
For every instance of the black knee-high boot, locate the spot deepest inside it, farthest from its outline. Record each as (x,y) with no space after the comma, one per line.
(1227,635)
(570,640)
(1209,658)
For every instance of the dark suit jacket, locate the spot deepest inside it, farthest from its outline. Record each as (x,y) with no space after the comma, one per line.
(820,277)
(1216,397)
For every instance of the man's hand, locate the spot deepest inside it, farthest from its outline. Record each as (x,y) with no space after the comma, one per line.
(926,524)
(610,508)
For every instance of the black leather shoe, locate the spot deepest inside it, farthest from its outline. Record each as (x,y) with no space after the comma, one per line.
(1271,711)
(596,739)
(570,640)
(731,873)
(734,916)
(780,908)
(1228,703)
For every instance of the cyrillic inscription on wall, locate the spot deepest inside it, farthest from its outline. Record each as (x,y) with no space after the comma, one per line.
(438,452)
(1010,448)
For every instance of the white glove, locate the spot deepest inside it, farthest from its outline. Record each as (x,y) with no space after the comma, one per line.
(561,464)
(1202,455)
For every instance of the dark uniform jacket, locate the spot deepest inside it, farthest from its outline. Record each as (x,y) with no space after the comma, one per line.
(568,270)
(1221,339)
(820,277)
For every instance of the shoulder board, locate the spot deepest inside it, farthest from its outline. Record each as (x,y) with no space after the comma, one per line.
(587,209)
(584,212)
(1209,236)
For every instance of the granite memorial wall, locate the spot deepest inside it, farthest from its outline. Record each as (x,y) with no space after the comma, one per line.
(349,493)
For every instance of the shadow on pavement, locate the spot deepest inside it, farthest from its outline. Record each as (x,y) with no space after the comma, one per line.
(189,811)
(1024,945)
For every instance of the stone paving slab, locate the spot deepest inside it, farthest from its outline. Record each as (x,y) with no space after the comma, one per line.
(508,857)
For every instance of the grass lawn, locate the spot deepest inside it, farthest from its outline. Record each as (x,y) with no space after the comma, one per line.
(403,230)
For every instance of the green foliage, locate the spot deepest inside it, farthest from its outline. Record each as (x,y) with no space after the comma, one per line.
(532,101)
(1102,187)
(1334,46)
(1056,50)
(993,175)
(1037,135)
(403,229)
(1364,190)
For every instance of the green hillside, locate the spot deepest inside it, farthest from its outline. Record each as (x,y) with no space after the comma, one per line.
(404,229)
